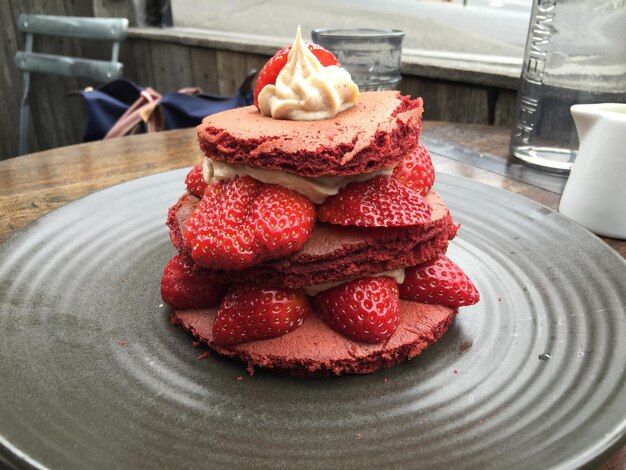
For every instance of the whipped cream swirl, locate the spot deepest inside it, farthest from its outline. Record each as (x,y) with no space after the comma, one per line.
(305,90)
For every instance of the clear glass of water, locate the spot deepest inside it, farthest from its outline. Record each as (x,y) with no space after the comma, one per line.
(575,54)
(372,56)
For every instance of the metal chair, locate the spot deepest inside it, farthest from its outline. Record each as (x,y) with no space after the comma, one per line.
(109,29)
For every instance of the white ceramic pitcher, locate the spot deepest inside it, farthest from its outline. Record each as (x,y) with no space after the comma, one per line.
(595,193)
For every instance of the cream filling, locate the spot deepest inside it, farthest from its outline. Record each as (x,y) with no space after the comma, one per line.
(317,189)
(305,90)
(396,274)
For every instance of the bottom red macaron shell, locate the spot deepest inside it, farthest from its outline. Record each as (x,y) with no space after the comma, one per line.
(314,349)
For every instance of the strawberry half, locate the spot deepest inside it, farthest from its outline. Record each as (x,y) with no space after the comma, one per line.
(250,313)
(367,309)
(378,202)
(271,69)
(195,181)
(185,286)
(416,171)
(439,281)
(242,222)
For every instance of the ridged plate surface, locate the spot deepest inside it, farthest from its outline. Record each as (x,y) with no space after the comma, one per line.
(93,375)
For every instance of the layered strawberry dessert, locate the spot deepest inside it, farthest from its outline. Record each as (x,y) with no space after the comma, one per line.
(309,239)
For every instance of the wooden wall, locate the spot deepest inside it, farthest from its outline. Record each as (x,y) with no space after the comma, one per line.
(57,112)
(461,102)
(167,66)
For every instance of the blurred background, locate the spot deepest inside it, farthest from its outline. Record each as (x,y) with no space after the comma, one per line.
(463,56)
(491,27)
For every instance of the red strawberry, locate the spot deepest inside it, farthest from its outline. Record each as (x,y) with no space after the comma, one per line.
(439,281)
(416,171)
(185,286)
(378,202)
(195,181)
(250,313)
(271,69)
(367,309)
(242,222)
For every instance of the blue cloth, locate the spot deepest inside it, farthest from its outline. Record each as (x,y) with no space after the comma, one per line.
(182,110)
(107,104)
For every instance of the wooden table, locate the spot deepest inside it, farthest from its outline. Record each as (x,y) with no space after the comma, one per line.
(35,184)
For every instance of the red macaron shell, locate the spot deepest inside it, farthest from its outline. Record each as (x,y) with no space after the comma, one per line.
(314,349)
(376,133)
(335,253)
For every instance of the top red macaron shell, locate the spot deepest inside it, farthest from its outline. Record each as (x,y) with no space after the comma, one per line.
(376,133)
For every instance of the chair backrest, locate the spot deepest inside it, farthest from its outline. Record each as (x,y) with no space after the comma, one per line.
(108,29)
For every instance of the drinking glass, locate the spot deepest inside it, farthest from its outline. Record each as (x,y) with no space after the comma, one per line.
(372,56)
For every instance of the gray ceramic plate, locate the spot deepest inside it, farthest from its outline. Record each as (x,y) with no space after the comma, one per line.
(94,376)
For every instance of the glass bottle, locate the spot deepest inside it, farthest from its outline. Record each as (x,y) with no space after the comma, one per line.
(575,54)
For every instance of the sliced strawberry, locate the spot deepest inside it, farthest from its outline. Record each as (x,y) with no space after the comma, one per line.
(250,313)
(378,202)
(416,171)
(242,222)
(367,309)
(195,181)
(185,286)
(271,69)
(439,281)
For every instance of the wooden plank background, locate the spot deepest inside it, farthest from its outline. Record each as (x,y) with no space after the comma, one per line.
(58,114)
